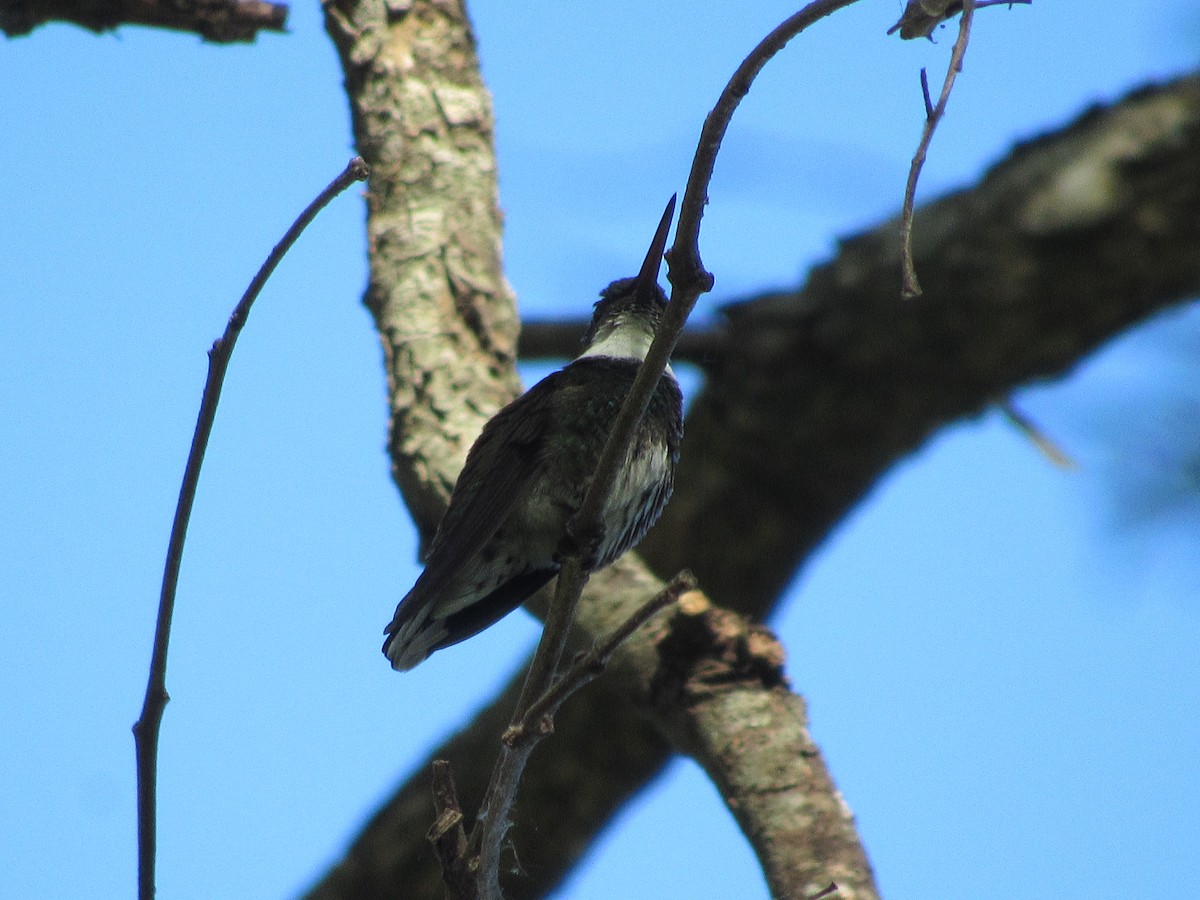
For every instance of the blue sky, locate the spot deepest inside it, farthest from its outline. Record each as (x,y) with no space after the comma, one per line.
(999,656)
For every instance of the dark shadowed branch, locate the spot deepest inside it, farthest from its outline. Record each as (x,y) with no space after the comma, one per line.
(219,21)
(146,729)
(1024,276)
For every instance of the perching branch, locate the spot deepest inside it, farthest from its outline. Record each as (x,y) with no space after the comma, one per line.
(1025,274)
(146,729)
(585,530)
(689,280)
(541,696)
(910,287)
(219,21)
(532,721)
(591,663)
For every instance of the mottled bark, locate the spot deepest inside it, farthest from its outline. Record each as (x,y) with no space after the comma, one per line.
(219,21)
(446,316)
(721,687)
(816,394)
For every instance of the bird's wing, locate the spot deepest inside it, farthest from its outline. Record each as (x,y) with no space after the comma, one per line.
(500,469)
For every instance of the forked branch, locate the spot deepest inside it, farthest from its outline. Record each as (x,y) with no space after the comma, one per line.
(910,287)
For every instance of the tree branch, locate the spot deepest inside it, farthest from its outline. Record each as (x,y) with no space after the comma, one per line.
(146,729)
(910,287)
(689,280)
(591,663)
(722,683)
(1024,275)
(423,122)
(219,21)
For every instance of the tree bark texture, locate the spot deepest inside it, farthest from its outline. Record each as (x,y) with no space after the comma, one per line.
(423,121)
(219,21)
(1075,237)
(720,684)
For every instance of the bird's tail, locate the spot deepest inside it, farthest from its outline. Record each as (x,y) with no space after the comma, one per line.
(412,635)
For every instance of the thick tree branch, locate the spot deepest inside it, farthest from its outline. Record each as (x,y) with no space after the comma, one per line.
(219,21)
(423,122)
(1074,238)
(721,683)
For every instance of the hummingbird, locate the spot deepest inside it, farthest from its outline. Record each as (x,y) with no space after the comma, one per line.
(527,473)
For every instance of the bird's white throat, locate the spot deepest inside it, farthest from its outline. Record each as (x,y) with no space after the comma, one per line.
(623,341)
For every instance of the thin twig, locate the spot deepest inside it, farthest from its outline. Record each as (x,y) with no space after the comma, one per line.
(910,287)
(688,279)
(591,663)
(921,17)
(146,729)
(1036,435)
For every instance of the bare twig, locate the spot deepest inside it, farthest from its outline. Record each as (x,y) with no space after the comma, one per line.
(686,272)
(910,287)
(591,663)
(487,837)
(146,729)
(688,279)
(1036,435)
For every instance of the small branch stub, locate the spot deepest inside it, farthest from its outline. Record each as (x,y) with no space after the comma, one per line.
(447,835)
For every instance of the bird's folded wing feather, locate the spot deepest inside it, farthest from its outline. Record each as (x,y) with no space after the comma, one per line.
(499,471)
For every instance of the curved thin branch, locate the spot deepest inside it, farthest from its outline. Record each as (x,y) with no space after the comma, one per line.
(910,287)
(686,270)
(688,280)
(146,729)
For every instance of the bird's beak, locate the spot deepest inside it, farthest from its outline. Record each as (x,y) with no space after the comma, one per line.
(648,276)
